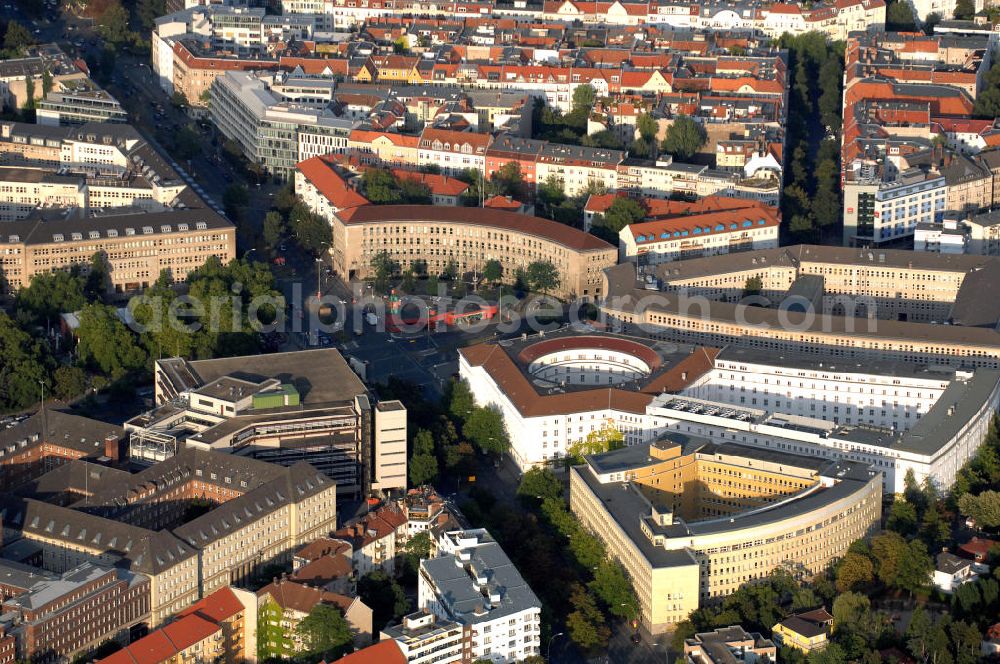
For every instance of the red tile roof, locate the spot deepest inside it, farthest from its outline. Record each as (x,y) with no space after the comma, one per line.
(219,606)
(324,546)
(323,570)
(502,203)
(189,630)
(322,175)
(297,596)
(522,394)
(383,652)
(442,185)
(727,221)
(570,238)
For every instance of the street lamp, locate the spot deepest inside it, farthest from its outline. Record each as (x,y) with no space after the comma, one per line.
(548,649)
(248,252)
(319,270)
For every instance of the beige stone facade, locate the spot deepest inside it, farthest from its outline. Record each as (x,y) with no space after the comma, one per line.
(469,237)
(754,512)
(136,247)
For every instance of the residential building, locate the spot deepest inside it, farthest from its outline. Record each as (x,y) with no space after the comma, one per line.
(696,236)
(426,639)
(473,583)
(376,539)
(286,408)
(383,652)
(665,512)
(79,101)
(283,604)
(950,572)
(220,628)
(804,631)
(729,644)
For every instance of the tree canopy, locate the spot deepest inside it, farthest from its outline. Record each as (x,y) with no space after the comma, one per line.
(684,137)
(106,344)
(325,633)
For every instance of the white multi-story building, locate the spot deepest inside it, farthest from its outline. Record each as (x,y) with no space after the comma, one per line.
(690,236)
(425,639)
(473,583)
(894,416)
(878,209)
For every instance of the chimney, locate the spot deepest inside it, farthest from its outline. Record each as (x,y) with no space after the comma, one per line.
(112,448)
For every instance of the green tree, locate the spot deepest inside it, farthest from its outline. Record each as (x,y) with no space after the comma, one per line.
(899,17)
(274,229)
(902,517)
(149,10)
(586,625)
(46,83)
(492,271)
(854,572)
(312,232)
(597,441)
(965,639)
(49,294)
(486,430)
(381,187)
(551,192)
(621,213)
(423,465)
(645,124)
(543,276)
(325,633)
(584,97)
(383,267)
(684,137)
(888,551)
(69,382)
(605,139)
(753,286)
(113,25)
(851,611)
(965,10)
(460,400)
(386,598)
(612,585)
(234,199)
(16,39)
(24,366)
(917,632)
(540,483)
(984,508)
(187,143)
(98,280)
(105,342)
(915,567)
(509,181)
(414,192)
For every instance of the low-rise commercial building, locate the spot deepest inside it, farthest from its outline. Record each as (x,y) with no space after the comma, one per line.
(691,521)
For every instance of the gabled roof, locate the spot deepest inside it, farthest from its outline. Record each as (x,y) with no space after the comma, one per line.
(217,607)
(321,174)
